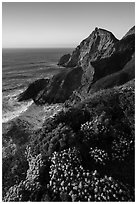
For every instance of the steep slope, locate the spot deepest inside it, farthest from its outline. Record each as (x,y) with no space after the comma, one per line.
(117,78)
(99,44)
(33,89)
(97,57)
(59,88)
(101,54)
(62,86)
(130,32)
(86,151)
(80,152)
(124,50)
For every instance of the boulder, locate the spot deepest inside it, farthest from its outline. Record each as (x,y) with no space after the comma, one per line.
(33,89)
(64,59)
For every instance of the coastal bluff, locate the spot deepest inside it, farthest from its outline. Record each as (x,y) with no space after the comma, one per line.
(100,61)
(76,142)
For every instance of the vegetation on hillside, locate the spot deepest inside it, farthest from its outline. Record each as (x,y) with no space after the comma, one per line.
(83,153)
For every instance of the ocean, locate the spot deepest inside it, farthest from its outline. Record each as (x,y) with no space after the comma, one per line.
(20,67)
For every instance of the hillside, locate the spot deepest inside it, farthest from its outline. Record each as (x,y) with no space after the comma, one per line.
(77,143)
(98,45)
(90,144)
(98,56)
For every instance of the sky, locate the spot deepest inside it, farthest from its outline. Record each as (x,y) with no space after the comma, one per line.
(61,24)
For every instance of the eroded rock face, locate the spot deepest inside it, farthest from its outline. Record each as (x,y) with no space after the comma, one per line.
(56,90)
(130,32)
(64,59)
(33,89)
(90,65)
(99,44)
(124,49)
(117,78)
(102,54)
(61,86)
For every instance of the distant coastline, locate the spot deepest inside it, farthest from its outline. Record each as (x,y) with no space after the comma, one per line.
(77,138)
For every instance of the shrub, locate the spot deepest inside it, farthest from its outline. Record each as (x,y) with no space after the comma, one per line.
(69,179)
(31,188)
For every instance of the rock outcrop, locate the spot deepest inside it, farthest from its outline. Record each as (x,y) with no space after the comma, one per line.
(61,86)
(124,49)
(100,58)
(98,45)
(130,32)
(101,54)
(56,90)
(86,147)
(33,89)
(117,78)
(64,59)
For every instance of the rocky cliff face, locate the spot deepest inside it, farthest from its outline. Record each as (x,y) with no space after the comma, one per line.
(130,32)
(117,78)
(101,54)
(91,142)
(33,90)
(98,45)
(124,50)
(59,88)
(64,59)
(100,57)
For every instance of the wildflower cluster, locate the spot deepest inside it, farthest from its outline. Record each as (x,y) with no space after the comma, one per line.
(99,155)
(96,127)
(87,129)
(122,147)
(31,184)
(108,189)
(22,191)
(69,178)
(35,163)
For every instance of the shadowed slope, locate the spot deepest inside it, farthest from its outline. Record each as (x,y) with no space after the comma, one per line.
(97,57)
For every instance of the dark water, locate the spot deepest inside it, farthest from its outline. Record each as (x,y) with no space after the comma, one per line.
(20,67)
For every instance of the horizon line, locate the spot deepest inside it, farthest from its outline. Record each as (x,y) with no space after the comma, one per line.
(36,47)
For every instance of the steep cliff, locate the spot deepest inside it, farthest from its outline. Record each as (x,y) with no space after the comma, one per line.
(124,49)
(33,89)
(130,32)
(102,54)
(57,90)
(100,58)
(117,78)
(86,151)
(98,45)
(77,153)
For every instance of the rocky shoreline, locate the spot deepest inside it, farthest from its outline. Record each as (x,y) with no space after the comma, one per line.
(76,142)
(99,56)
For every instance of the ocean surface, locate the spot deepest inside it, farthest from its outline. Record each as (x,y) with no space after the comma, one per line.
(20,67)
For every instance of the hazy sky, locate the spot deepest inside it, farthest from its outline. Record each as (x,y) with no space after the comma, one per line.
(62,24)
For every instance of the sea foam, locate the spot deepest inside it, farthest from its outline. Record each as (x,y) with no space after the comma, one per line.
(7,116)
